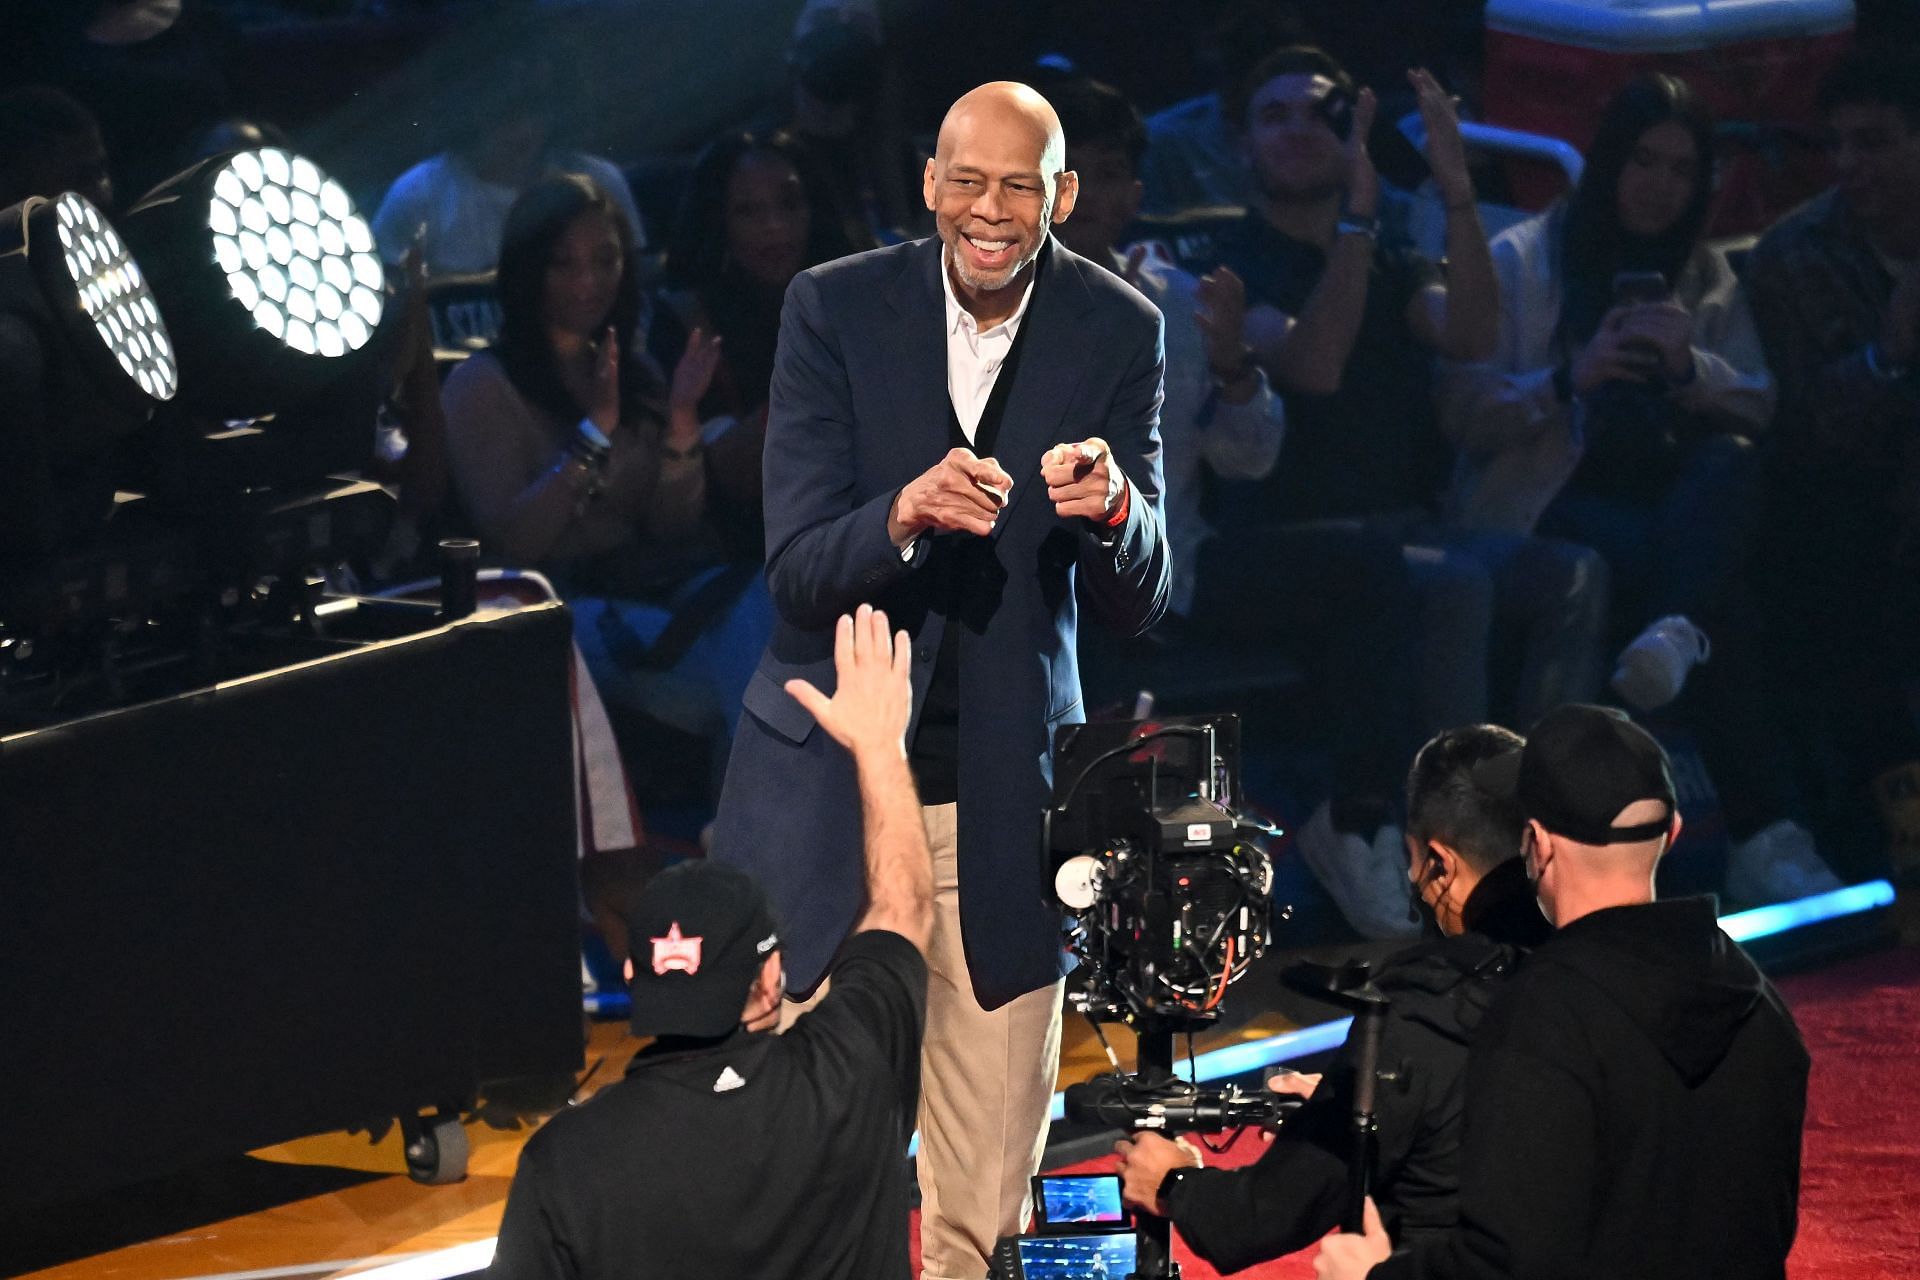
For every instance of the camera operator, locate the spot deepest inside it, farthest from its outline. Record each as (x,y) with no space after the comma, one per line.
(1635,1097)
(730,1150)
(1468,884)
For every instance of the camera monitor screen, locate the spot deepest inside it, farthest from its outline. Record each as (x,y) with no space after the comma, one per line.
(1107,1257)
(1078,1201)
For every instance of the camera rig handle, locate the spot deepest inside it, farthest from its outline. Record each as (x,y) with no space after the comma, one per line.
(1350,985)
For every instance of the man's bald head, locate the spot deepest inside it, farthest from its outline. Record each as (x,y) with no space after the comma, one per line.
(997,180)
(1010,109)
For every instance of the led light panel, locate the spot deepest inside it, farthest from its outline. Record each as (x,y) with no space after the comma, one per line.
(115,297)
(296,253)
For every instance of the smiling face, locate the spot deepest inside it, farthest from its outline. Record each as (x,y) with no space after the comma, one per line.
(1294,150)
(1659,180)
(994,185)
(583,276)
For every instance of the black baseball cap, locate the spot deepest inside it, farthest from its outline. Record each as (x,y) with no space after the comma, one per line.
(1581,766)
(699,933)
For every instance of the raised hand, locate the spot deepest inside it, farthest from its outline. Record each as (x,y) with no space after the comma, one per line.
(1082,480)
(604,406)
(873,693)
(1220,313)
(1363,183)
(693,374)
(961,493)
(1446,153)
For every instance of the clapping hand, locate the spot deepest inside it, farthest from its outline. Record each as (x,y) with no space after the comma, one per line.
(873,693)
(1220,313)
(1363,182)
(1446,153)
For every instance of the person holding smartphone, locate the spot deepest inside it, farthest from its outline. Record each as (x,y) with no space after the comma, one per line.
(1620,411)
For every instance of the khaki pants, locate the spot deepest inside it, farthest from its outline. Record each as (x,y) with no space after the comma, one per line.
(985,1081)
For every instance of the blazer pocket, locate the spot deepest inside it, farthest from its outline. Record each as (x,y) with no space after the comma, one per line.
(774,707)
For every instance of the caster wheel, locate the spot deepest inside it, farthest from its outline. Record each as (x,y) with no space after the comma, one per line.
(436,1150)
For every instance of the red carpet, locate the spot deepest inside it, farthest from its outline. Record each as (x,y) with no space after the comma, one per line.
(1860,1176)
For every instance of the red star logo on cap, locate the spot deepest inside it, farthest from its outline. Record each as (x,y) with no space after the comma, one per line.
(675,952)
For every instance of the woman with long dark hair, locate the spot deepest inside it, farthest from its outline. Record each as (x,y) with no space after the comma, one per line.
(1620,411)
(757,212)
(572,455)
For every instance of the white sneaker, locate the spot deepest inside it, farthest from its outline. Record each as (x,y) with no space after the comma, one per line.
(1366,880)
(1777,864)
(1653,669)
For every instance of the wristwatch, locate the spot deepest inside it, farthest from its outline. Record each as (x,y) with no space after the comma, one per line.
(1242,369)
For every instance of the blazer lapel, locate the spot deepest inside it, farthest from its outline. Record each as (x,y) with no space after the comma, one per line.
(1053,359)
(917,371)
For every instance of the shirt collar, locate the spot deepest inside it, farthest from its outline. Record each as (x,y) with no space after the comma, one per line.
(959,319)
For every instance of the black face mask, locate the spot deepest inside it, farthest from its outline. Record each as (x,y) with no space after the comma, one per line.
(1420,913)
(837,64)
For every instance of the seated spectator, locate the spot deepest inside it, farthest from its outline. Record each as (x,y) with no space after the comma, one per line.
(846,111)
(1625,422)
(1221,415)
(1347,327)
(730,1149)
(1194,157)
(455,204)
(1836,293)
(570,456)
(757,212)
(1219,410)
(49,143)
(1467,881)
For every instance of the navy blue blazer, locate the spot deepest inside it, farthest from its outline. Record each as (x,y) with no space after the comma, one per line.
(859,407)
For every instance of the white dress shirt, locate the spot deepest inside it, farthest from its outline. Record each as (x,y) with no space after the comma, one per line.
(974,355)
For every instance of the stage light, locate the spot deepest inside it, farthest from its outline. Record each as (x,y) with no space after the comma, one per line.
(279,285)
(86,281)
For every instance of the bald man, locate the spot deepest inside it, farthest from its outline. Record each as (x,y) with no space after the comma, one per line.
(1635,1096)
(964,432)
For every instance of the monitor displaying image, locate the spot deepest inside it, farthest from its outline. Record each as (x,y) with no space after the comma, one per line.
(1087,1199)
(1101,1257)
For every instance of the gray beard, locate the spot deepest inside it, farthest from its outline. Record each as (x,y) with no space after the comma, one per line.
(995,285)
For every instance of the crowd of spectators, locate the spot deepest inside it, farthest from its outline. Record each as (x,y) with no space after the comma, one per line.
(1448,491)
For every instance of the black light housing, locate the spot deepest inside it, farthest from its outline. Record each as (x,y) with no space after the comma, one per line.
(275,271)
(85,358)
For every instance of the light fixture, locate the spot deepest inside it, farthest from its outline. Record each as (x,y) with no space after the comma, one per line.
(88,284)
(273,273)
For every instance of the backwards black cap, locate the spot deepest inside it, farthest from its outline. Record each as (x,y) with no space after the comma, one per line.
(699,934)
(1581,766)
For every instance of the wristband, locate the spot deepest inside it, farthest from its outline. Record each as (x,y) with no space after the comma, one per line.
(1351,224)
(1119,516)
(1241,368)
(590,444)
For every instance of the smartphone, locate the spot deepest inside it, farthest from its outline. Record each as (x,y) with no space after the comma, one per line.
(1075,1202)
(1633,288)
(1102,1257)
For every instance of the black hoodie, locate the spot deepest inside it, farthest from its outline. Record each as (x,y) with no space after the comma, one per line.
(1634,1104)
(1297,1190)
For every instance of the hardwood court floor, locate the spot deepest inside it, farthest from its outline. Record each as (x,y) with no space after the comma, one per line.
(387,1216)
